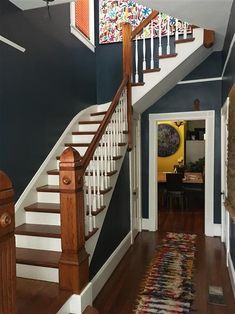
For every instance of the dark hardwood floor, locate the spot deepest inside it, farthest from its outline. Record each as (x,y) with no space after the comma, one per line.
(119,294)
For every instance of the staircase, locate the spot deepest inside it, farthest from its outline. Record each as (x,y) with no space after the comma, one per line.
(98,137)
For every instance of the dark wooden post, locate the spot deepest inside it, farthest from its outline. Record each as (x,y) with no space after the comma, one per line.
(127,70)
(73,265)
(7,247)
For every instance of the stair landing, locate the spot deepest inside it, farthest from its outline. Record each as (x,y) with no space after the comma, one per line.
(42,297)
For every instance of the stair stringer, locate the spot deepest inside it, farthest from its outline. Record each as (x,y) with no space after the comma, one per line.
(173,70)
(41,178)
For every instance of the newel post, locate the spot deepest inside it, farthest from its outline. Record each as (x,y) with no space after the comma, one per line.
(127,70)
(73,265)
(7,247)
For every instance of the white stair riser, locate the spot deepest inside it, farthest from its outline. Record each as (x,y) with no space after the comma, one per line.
(82,138)
(42,218)
(37,272)
(38,243)
(88,127)
(48,197)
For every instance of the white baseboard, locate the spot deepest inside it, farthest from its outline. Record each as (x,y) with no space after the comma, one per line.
(217,230)
(76,304)
(231,272)
(106,270)
(148,224)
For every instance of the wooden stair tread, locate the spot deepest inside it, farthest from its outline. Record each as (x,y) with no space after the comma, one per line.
(56,172)
(37,257)
(43,208)
(84,133)
(101,191)
(90,310)
(152,70)
(137,84)
(87,144)
(48,231)
(165,56)
(90,122)
(95,213)
(114,157)
(49,188)
(186,40)
(90,234)
(98,113)
(38,296)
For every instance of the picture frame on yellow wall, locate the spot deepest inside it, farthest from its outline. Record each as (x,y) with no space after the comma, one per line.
(168,140)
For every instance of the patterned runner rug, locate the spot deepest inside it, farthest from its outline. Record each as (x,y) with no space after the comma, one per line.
(168,285)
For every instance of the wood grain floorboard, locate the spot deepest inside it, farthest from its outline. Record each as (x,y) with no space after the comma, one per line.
(119,294)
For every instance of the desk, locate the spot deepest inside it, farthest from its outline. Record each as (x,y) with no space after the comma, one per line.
(189,177)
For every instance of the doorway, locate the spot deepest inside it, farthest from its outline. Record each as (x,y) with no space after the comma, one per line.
(209,118)
(180,177)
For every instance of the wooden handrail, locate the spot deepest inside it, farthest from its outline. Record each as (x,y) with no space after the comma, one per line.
(95,141)
(7,247)
(140,27)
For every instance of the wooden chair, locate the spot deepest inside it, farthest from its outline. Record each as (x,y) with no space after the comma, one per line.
(175,190)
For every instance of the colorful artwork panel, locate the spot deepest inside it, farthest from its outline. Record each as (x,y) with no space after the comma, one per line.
(114,12)
(168,140)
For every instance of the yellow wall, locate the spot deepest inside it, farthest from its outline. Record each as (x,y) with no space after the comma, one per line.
(167,163)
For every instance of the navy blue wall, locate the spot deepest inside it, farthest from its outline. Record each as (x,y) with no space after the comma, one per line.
(180,99)
(40,90)
(117,221)
(228,82)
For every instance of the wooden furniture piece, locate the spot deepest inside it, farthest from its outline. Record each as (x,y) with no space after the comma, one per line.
(189,177)
(175,190)
(7,247)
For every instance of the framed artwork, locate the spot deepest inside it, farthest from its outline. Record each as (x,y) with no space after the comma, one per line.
(168,140)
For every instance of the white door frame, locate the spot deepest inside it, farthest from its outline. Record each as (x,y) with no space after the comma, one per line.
(137,170)
(225,219)
(151,223)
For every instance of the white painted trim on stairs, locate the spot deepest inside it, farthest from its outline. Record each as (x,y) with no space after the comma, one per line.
(40,176)
(77,303)
(211,79)
(231,272)
(228,55)
(209,117)
(106,270)
(12,44)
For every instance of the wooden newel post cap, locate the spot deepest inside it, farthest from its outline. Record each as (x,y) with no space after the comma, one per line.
(70,155)
(5,182)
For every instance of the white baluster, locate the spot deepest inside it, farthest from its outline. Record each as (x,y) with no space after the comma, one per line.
(152,48)
(94,207)
(168,48)
(116,129)
(176,30)
(185,30)
(112,141)
(89,199)
(160,34)
(105,162)
(102,162)
(98,177)
(144,51)
(136,61)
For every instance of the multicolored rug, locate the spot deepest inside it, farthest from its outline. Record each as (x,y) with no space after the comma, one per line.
(168,286)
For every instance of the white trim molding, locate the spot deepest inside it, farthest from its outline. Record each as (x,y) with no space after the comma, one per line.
(231,272)
(209,117)
(90,43)
(210,79)
(107,269)
(12,44)
(228,55)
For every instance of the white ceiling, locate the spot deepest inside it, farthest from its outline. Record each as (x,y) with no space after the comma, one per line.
(210,14)
(34,4)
